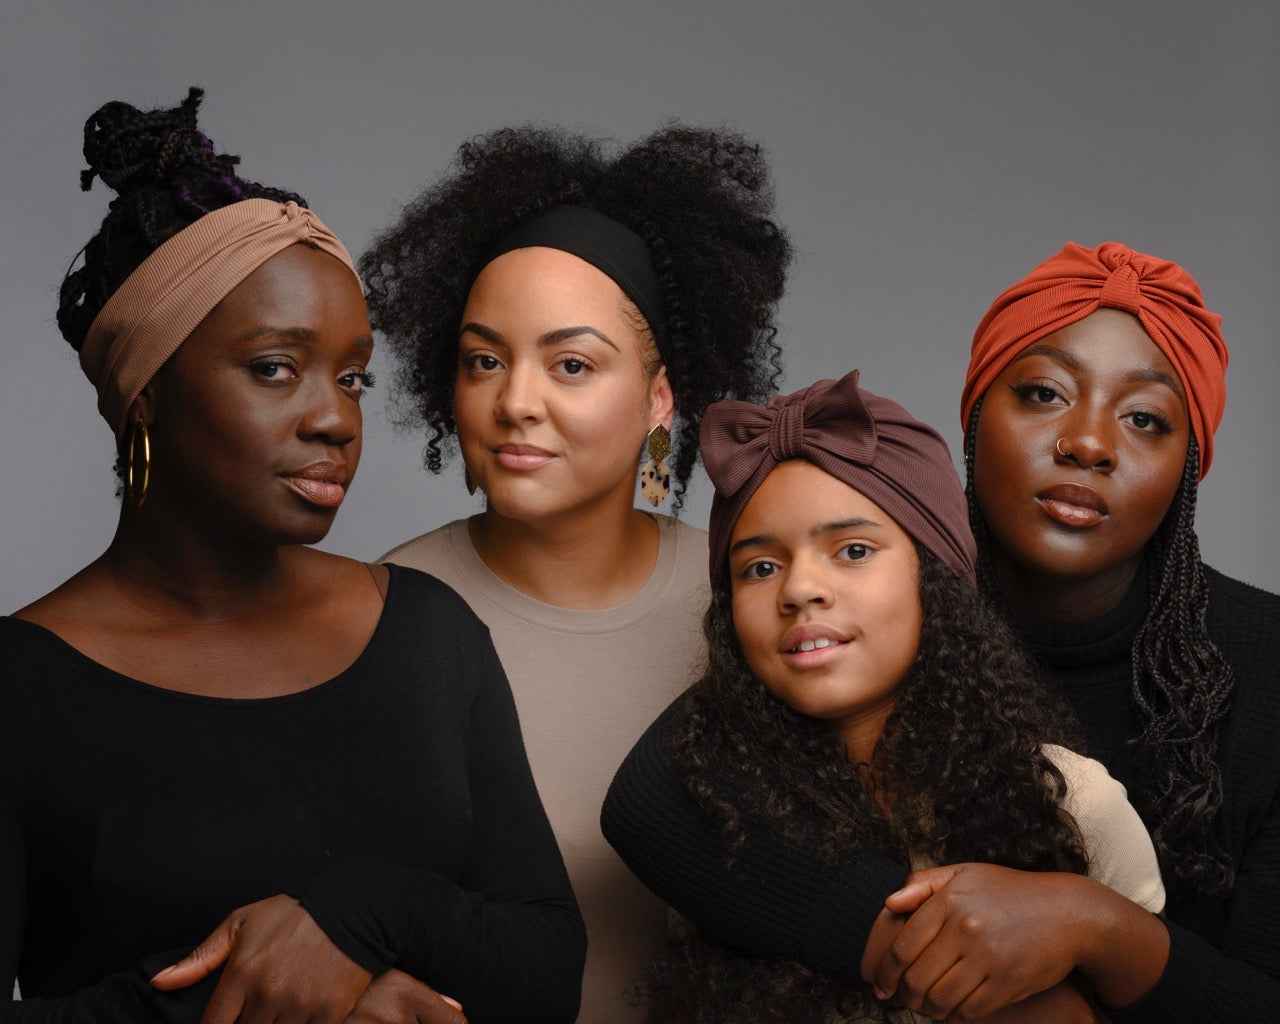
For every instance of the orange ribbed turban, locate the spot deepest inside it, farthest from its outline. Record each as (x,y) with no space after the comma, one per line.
(1077,281)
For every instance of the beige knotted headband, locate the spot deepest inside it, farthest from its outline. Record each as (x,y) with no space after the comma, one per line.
(174,288)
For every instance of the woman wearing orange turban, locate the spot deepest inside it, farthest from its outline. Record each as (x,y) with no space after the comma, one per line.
(1093,392)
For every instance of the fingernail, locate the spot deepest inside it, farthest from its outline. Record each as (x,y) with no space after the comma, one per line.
(161,974)
(881,993)
(452,1002)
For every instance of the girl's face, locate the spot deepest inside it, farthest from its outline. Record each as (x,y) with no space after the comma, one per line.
(553,401)
(826,600)
(1081,445)
(255,421)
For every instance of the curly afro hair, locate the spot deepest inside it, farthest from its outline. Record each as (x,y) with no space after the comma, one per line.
(961,769)
(700,199)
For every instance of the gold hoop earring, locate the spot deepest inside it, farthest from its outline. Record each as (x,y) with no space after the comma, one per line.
(655,477)
(137,493)
(1058,447)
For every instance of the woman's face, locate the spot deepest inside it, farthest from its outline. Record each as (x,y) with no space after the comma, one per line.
(826,599)
(1081,445)
(255,420)
(553,401)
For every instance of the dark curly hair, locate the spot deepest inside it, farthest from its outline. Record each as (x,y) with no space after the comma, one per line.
(960,768)
(700,199)
(166,176)
(1182,687)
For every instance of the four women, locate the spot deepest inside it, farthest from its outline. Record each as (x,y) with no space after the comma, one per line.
(359,803)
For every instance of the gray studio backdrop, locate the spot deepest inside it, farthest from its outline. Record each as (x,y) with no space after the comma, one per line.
(925,155)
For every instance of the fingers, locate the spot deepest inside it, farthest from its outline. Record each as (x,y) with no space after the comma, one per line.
(202,961)
(913,938)
(920,885)
(396,998)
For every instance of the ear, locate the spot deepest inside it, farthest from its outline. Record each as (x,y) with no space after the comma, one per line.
(144,407)
(662,402)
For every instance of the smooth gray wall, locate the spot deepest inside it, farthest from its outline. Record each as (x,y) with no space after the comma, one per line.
(926,155)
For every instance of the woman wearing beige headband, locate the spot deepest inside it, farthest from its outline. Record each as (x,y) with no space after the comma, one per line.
(213,716)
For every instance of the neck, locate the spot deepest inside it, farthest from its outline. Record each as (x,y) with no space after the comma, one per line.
(157,561)
(1061,598)
(591,559)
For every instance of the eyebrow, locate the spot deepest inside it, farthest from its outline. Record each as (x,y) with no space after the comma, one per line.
(763,539)
(1073,362)
(560,334)
(363,341)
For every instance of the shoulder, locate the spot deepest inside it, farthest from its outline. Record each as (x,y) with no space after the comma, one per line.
(1116,842)
(426,550)
(415,593)
(1239,608)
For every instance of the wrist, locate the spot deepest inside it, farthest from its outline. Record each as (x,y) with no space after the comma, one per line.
(1124,948)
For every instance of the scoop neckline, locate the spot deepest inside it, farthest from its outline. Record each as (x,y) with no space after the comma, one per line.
(53,639)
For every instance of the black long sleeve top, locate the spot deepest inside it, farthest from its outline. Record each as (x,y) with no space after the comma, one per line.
(394,800)
(1224,961)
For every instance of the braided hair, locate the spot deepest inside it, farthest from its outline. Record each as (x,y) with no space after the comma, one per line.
(701,201)
(1181,689)
(166,175)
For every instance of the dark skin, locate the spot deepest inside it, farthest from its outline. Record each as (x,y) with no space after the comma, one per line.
(255,431)
(1080,447)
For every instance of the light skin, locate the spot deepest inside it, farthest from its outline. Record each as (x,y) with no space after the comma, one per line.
(826,600)
(1067,530)
(255,432)
(557,388)
(836,574)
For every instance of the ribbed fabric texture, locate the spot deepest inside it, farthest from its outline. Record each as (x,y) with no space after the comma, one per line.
(174,288)
(1224,962)
(1075,282)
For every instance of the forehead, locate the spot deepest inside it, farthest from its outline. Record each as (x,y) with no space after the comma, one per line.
(298,287)
(1108,342)
(797,497)
(539,282)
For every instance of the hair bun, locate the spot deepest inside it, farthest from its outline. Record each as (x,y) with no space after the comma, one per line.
(130,148)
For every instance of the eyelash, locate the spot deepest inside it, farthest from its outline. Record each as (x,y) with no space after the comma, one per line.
(1027,389)
(366,379)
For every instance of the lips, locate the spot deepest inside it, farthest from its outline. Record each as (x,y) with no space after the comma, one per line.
(323,484)
(811,645)
(1073,505)
(521,457)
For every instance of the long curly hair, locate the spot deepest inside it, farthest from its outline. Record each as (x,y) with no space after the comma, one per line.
(1182,686)
(700,199)
(960,774)
(167,175)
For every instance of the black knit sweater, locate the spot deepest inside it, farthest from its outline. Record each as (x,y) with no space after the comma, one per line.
(1224,961)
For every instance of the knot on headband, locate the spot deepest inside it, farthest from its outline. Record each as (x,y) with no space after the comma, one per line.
(176,287)
(1076,282)
(868,442)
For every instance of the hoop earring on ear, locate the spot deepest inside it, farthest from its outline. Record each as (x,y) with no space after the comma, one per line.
(655,477)
(1058,447)
(137,493)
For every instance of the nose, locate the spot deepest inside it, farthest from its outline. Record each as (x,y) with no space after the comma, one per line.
(331,415)
(520,399)
(805,584)
(1088,440)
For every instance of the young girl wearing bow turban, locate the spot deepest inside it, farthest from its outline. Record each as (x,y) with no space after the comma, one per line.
(860,692)
(1094,390)
(213,715)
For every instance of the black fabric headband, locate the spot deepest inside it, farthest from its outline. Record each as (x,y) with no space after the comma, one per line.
(604,243)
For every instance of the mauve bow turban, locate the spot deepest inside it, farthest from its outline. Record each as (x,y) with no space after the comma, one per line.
(868,442)
(1077,281)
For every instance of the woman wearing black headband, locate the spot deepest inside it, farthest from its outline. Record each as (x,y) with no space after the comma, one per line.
(553,307)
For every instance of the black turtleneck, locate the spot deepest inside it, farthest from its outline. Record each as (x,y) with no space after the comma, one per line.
(1224,961)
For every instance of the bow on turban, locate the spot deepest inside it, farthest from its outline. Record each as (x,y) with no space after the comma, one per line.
(868,442)
(1076,282)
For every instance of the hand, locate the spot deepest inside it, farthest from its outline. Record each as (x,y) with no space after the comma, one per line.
(397,998)
(981,937)
(280,967)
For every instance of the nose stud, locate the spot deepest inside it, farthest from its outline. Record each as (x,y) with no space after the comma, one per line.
(1058,447)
